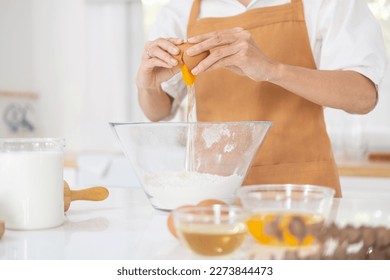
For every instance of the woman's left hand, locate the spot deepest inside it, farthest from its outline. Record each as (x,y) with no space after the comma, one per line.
(233,49)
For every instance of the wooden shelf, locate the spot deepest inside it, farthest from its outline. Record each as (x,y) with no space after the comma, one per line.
(365,168)
(70,160)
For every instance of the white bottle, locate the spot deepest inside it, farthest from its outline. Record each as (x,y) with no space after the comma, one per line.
(31,183)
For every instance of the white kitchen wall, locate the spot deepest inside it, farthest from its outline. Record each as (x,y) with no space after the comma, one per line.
(81,58)
(114,44)
(16,50)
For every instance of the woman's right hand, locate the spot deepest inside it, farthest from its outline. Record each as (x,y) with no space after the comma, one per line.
(158,63)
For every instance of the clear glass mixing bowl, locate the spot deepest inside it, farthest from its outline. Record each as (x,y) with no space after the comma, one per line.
(181,163)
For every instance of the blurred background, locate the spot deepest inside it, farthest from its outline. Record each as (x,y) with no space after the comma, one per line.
(67,68)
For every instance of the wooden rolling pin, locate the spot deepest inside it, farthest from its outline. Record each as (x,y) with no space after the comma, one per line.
(2,228)
(93,193)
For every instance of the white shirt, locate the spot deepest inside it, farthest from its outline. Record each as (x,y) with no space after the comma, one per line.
(343,34)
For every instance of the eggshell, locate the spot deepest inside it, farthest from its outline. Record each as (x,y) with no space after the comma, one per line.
(189,61)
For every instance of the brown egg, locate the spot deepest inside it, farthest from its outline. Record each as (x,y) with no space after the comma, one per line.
(209,202)
(238,202)
(189,61)
(170,222)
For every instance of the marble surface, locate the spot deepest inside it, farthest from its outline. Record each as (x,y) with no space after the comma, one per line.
(125,226)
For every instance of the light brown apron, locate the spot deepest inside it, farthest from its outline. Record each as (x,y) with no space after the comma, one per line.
(297,149)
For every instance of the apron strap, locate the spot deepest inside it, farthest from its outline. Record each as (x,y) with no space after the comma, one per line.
(194,12)
(297,7)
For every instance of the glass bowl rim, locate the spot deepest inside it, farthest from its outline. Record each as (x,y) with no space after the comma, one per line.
(284,188)
(184,123)
(20,144)
(239,213)
(23,140)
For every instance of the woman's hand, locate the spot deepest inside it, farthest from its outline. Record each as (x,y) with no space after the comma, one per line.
(158,64)
(233,49)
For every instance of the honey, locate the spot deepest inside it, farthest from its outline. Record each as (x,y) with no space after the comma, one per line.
(281,229)
(213,240)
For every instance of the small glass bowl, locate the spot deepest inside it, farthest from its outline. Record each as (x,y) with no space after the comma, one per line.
(215,230)
(286,215)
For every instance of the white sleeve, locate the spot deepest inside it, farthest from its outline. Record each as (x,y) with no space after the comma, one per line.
(351,39)
(171,22)
(176,88)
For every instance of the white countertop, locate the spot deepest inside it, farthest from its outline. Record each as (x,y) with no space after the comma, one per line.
(125,226)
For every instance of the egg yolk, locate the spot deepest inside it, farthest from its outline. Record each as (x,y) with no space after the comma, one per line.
(188,78)
(258,222)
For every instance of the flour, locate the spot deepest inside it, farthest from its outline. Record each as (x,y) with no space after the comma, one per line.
(169,190)
(214,133)
(228,148)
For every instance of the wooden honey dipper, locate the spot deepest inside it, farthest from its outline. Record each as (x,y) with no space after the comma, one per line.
(93,194)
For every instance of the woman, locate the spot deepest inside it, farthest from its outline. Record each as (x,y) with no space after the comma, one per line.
(275,60)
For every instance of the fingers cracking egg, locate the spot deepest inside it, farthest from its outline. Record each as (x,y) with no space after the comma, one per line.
(187,63)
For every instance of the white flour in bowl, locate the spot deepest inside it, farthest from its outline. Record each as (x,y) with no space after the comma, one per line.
(169,190)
